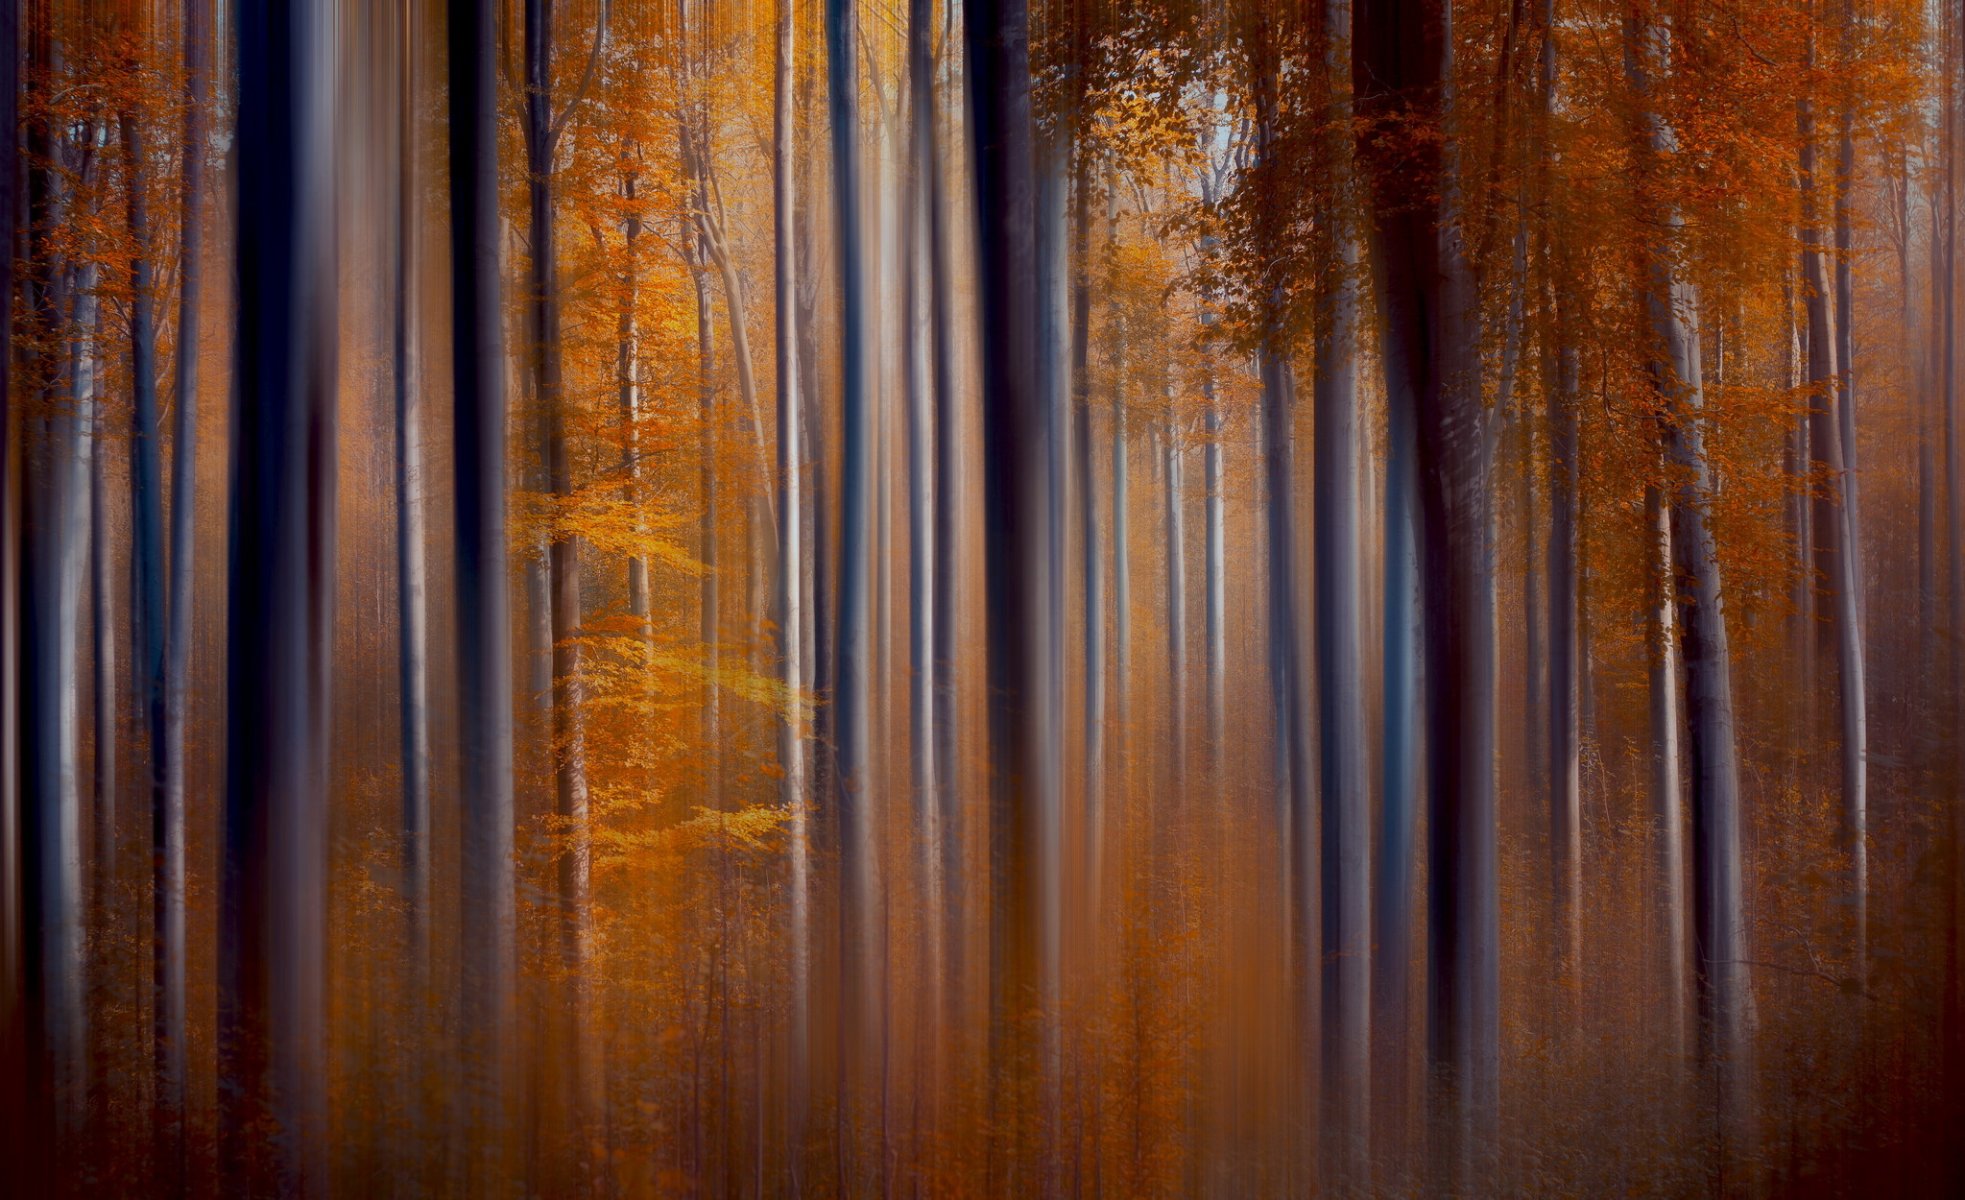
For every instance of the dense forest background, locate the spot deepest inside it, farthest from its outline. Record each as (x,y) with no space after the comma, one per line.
(1075,598)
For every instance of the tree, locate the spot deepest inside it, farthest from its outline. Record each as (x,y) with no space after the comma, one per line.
(1429,342)
(1672,307)
(487,901)
(271,928)
(1023,813)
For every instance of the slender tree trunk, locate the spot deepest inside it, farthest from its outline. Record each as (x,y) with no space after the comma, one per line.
(1720,931)
(1344,801)
(102,640)
(1091,550)
(947,537)
(272,931)
(569,752)
(1392,917)
(167,807)
(1215,476)
(487,899)
(1666,802)
(1176,539)
(14,1101)
(52,541)
(854,763)
(791,738)
(1430,346)
(147,614)
(1835,533)
(1295,784)
(922,348)
(627,369)
(1122,617)
(411,579)
(1023,813)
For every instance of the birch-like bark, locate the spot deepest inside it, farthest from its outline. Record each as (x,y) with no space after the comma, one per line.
(272,929)
(102,642)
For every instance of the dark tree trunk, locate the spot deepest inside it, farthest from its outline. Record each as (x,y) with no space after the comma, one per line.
(1023,814)
(272,927)
(487,900)
(1430,345)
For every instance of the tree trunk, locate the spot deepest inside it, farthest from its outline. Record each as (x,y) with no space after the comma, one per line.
(1830,423)
(53,530)
(102,640)
(1345,793)
(1430,346)
(791,738)
(1666,803)
(1720,930)
(569,751)
(854,763)
(1091,551)
(272,929)
(487,900)
(1176,538)
(1023,813)
(167,808)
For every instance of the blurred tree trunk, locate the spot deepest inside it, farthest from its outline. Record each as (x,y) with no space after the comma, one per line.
(854,763)
(272,928)
(1017,432)
(1344,835)
(1721,950)
(487,901)
(1430,345)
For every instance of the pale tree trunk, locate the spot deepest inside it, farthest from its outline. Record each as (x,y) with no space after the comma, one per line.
(627,372)
(1122,620)
(102,641)
(412,628)
(1835,533)
(410,567)
(487,899)
(1345,793)
(167,808)
(1430,346)
(53,529)
(1023,804)
(272,929)
(1176,539)
(1668,828)
(854,764)
(1720,930)
(791,624)
(921,350)
(1215,476)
